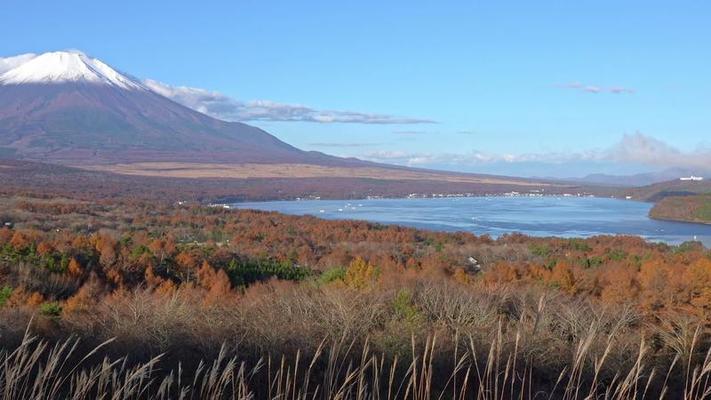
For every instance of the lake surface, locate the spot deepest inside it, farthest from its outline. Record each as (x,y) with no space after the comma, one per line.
(535,216)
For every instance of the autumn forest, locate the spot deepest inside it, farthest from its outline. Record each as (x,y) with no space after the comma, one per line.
(166,286)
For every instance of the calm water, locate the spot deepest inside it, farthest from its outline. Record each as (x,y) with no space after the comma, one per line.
(537,216)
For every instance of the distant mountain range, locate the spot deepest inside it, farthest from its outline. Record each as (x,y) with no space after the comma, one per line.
(643,179)
(69,108)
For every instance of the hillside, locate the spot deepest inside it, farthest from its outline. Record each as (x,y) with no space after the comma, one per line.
(641,179)
(693,208)
(658,191)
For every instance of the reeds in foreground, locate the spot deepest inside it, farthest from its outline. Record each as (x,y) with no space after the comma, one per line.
(37,370)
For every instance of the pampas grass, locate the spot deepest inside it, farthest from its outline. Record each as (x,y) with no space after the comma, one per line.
(37,370)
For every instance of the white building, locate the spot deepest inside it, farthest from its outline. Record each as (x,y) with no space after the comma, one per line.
(691,178)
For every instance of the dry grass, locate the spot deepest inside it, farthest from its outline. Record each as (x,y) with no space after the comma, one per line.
(36,370)
(491,345)
(246,171)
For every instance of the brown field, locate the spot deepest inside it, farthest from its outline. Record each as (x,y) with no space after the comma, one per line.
(45,180)
(251,171)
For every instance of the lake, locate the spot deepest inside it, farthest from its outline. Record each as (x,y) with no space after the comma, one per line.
(535,216)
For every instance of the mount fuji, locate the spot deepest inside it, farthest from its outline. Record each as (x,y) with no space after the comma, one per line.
(69,108)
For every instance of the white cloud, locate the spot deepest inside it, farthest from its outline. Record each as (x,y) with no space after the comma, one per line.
(595,89)
(343,145)
(410,133)
(632,149)
(643,149)
(422,159)
(226,108)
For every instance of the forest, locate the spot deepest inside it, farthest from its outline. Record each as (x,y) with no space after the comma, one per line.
(691,208)
(130,298)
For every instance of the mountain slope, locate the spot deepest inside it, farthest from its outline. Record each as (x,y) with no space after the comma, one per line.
(67,107)
(658,191)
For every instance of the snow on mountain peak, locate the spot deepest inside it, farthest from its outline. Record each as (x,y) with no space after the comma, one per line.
(9,63)
(62,67)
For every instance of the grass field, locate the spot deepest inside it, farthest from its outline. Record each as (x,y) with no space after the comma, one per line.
(247,171)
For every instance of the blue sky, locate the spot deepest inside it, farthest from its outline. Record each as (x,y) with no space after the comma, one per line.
(519,88)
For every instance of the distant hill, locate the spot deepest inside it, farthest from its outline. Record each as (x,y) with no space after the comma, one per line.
(643,179)
(658,191)
(694,208)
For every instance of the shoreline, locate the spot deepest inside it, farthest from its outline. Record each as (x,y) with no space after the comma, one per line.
(332,210)
(681,221)
(424,196)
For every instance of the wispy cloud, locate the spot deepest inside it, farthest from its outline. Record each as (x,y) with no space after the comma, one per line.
(423,132)
(227,108)
(344,145)
(632,149)
(411,133)
(471,158)
(595,89)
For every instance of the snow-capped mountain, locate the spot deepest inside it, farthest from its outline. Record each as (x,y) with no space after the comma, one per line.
(63,67)
(9,63)
(70,108)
